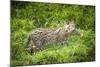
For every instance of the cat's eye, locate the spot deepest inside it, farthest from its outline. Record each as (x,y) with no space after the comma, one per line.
(66,30)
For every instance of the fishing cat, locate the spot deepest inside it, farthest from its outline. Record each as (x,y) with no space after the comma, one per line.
(40,37)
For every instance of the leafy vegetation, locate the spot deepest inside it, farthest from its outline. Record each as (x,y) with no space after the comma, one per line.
(26,16)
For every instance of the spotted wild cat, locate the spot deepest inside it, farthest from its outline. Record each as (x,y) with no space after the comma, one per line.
(40,37)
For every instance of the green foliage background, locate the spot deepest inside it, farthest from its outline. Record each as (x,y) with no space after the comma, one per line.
(26,16)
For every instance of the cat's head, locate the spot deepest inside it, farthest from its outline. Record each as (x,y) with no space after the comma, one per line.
(71,28)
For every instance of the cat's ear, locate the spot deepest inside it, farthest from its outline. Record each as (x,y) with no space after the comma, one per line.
(71,22)
(66,24)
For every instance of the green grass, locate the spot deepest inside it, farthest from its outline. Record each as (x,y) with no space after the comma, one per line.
(26,16)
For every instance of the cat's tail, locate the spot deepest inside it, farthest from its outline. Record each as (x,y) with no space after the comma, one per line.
(28,42)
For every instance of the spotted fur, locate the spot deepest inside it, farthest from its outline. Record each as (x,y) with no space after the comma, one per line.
(44,36)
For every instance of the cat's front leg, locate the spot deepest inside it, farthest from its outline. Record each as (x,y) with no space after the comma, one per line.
(65,42)
(62,43)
